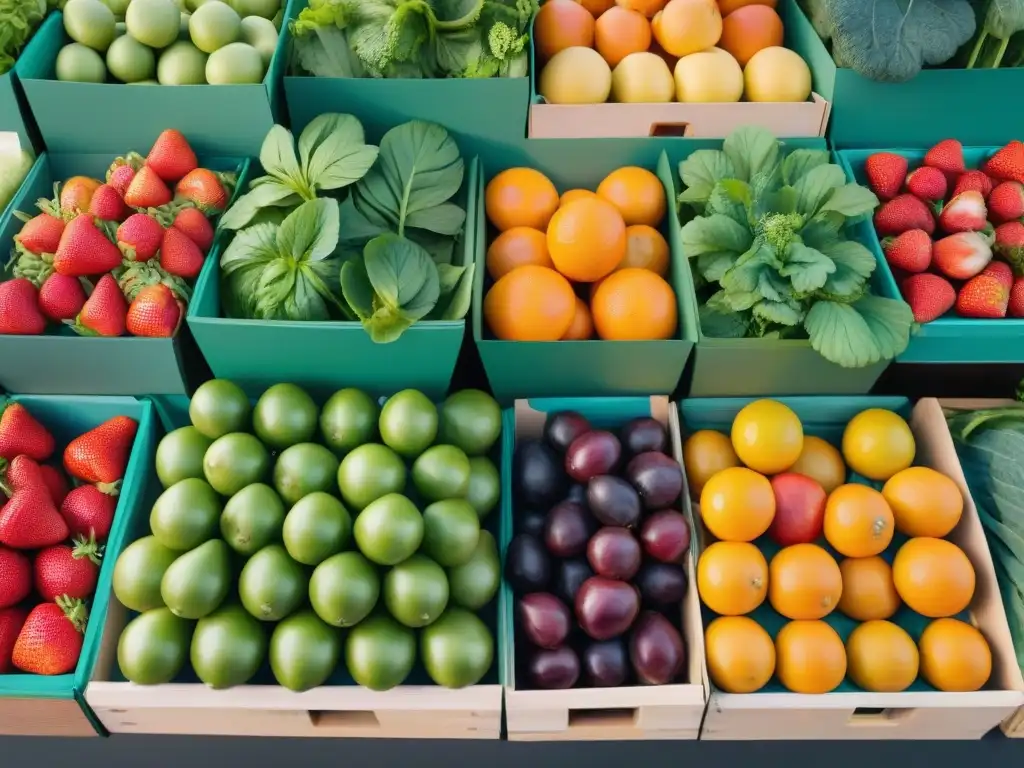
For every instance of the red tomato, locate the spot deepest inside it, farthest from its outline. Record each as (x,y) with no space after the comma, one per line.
(799,509)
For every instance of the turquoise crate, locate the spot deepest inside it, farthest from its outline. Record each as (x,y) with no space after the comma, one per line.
(950,338)
(67,417)
(61,361)
(14,112)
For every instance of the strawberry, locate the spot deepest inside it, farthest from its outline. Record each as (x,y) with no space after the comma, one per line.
(30,520)
(1001,271)
(11,622)
(929,296)
(179,255)
(155,311)
(104,312)
(41,234)
(1007,163)
(139,237)
(19,309)
(927,183)
(1010,244)
(50,642)
(901,214)
(120,178)
(886,172)
(85,250)
(194,223)
(171,156)
(21,434)
(973,180)
(20,474)
(961,256)
(15,577)
(1016,306)
(88,511)
(1006,202)
(983,296)
(203,188)
(55,483)
(964,213)
(67,570)
(107,204)
(910,251)
(948,157)
(101,454)
(147,190)
(61,297)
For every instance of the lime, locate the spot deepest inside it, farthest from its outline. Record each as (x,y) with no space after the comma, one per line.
(271,584)
(155,23)
(416,591)
(138,571)
(185,515)
(317,527)
(235,461)
(228,647)
(235,64)
(119,7)
(389,530)
(471,419)
(130,61)
(196,583)
(441,472)
(219,407)
(457,649)
(78,64)
(408,422)
(180,455)
(369,472)
(380,653)
(451,530)
(349,417)
(262,35)
(252,518)
(303,469)
(474,583)
(214,25)
(182,64)
(304,651)
(344,589)
(255,8)
(90,22)
(285,414)
(153,647)
(484,485)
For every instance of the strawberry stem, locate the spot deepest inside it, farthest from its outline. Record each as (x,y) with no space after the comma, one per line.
(87,548)
(111,489)
(75,610)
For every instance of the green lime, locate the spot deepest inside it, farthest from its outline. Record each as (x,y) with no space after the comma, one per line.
(408,422)
(235,461)
(213,25)
(271,584)
(153,647)
(441,472)
(181,64)
(284,415)
(304,651)
(252,518)
(303,469)
(380,653)
(90,22)
(344,589)
(265,8)
(471,419)
(138,571)
(484,485)
(155,23)
(416,591)
(218,407)
(262,35)
(368,473)
(77,63)
(235,64)
(130,61)
(451,530)
(228,647)
(475,583)
(317,527)
(389,530)
(197,582)
(348,419)
(457,649)
(185,515)
(179,455)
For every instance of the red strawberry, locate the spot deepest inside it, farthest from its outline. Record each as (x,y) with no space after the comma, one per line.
(973,180)
(204,189)
(947,156)
(964,213)
(21,474)
(147,190)
(107,204)
(1001,271)
(886,172)
(104,312)
(101,454)
(179,255)
(929,296)
(66,570)
(61,297)
(1007,163)
(89,512)
(30,520)
(155,311)
(1010,244)
(171,156)
(84,250)
(120,178)
(194,223)
(19,309)
(983,296)
(961,256)
(55,483)
(15,577)
(927,183)
(901,214)
(41,234)
(1006,202)
(50,642)
(20,433)
(139,236)
(1016,306)
(910,251)
(11,622)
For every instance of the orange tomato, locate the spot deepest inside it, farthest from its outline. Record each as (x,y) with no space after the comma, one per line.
(596,7)
(804,582)
(750,29)
(637,193)
(687,26)
(517,247)
(705,453)
(868,590)
(954,656)
(572,195)
(858,521)
(634,305)
(882,657)
(878,443)
(561,24)
(732,577)
(521,197)
(924,502)
(530,304)
(767,436)
(582,327)
(933,577)
(587,239)
(737,504)
(740,654)
(620,32)
(809,657)
(728,6)
(76,193)
(647,7)
(821,461)
(645,249)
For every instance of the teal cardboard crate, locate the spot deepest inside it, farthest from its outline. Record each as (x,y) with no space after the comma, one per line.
(61,361)
(338,708)
(222,120)
(592,368)
(850,712)
(55,706)
(950,338)
(14,112)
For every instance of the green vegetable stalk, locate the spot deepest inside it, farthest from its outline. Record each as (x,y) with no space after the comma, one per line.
(1003,19)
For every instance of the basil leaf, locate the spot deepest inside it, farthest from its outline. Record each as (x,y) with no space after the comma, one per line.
(402,274)
(310,232)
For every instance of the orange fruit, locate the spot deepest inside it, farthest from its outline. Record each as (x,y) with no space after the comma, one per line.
(645,249)
(586,239)
(620,32)
(687,26)
(881,657)
(868,589)
(933,577)
(924,502)
(804,582)
(858,521)
(740,654)
(634,305)
(728,6)
(647,7)
(705,453)
(637,193)
(809,657)
(821,461)
(767,436)
(517,247)
(582,327)
(530,303)
(732,577)
(572,195)
(954,656)
(878,443)
(737,504)
(561,24)
(596,7)
(749,29)
(521,197)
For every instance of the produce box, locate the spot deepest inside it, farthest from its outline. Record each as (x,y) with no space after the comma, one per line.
(639,712)
(848,712)
(14,112)
(339,708)
(695,120)
(61,361)
(37,705)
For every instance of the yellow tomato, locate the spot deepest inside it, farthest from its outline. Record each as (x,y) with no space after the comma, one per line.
(877,444)
(767,436)
(821,461)
(706,453)
(882,657)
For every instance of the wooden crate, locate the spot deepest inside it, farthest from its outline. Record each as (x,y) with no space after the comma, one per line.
(613,714)
(908,715)
(44,717)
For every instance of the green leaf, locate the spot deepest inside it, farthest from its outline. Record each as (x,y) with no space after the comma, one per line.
(860,334)
(403,275)
(277,156)
(386,325)
(356,229)
(335,154)
(443,219)
(440,247)
(721,325)
(745,274)
(751,150)
(773,286)
(715,235)
(890,321)
(310,232)
(456,292)
(712,266)
(322,128)
(780,312)
(254,245)
(850,200)
(273,193)
(854,265)
(700,172)
(816,186)
(806,268)
(800,161)
(731,198)
(821,232)
(356,288)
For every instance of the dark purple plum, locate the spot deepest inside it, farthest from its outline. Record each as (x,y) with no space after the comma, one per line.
(614,553)
(568,528)
(537,474)
(591,454)
(577,492)
(563,427)
(531,521)
(656,649)
(613,501)
(606,663)
(661,585)
(544,619)
(569,576)
(527,564)
(606,608)
(559,668)
(666,536)
(644,434)
(657,478)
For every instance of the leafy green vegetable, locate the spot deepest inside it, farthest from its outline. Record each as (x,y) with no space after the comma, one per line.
(768,241)
(18,20)
(1003,18)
